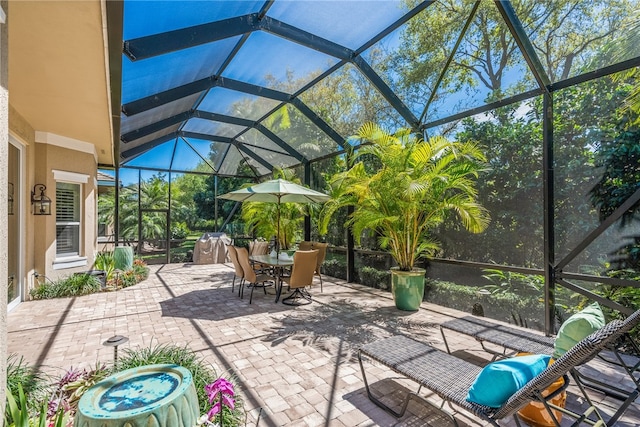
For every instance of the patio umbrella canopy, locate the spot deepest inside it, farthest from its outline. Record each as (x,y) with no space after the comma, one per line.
(276,191)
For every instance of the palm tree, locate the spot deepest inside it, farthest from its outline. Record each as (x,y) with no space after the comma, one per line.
(260,217)
(154,194)
(419,184)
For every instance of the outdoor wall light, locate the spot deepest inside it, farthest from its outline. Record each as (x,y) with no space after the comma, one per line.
(40,202)
(10,202)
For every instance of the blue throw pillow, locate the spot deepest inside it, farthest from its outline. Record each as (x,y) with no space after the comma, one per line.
(500,380)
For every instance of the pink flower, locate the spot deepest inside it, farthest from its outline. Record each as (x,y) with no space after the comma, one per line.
(215,409)
(229,402)
(220,393)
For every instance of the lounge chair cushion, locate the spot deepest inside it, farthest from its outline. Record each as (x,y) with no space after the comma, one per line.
(500,380)
(578,327)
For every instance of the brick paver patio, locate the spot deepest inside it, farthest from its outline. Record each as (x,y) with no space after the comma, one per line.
(295,366)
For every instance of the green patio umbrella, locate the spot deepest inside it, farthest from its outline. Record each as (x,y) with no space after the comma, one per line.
(276,191)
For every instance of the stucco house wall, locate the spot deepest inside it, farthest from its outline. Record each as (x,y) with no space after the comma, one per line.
(61,164)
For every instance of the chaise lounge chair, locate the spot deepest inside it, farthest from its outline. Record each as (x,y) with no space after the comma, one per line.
(516,340)
(451,378)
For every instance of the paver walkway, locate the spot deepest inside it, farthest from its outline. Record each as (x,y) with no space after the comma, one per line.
(295,366)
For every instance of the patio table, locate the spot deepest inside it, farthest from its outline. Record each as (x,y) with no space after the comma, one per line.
(278,265)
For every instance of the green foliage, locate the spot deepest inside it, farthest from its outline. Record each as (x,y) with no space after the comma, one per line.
(429,181)
(335,268)
(76,284)
(202,372)
(70,388)
(204,224)
(84,284)
(510,189)
(503,306)
(179,230)
(22,376)
(511,282)
(45,290)
(18,413)
(126,279)
(486,58)
(105,262)
(261,218)
(204,198)
(140,270)
(79,284)
(374,278)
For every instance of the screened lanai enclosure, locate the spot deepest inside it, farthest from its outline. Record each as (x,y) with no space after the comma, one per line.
(215,94)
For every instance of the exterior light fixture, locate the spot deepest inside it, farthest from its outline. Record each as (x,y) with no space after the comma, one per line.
(114,342)
(41,203)
(10,201)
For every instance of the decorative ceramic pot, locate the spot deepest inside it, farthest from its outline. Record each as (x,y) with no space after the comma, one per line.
(407,288)
(123,257)
(150,396)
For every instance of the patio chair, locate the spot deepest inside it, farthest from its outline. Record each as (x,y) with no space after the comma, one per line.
(518,340)
(239,273)
(304,265)
(305,245)
(250,276)
(322,253)
(451,378)
(258,247)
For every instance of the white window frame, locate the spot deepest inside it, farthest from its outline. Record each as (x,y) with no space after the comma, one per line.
(63,261)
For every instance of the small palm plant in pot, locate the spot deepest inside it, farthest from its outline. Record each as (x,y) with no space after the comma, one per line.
(418,186)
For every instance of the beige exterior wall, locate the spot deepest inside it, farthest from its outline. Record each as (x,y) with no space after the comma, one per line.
(24,134)
(43,116)
(64,161)
(4,146)
(41,159)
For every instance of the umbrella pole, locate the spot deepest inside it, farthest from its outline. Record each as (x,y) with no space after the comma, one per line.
(278,230)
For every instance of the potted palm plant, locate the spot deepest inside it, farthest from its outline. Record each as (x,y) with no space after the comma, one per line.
(418,185)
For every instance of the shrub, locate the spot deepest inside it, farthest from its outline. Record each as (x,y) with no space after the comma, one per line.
(180,258)
(179,230)
(140,270)
(335,268)
(45,290)
(202,372)
(76,284)
(84,284)
(505,306)
(105,262)
(80,284)
(205,225)
(126,279)
(374,278)
(32,381)
(20,413)
(512,282)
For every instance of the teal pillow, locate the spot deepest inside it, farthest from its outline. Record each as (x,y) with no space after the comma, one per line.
(578,327)
(498,381)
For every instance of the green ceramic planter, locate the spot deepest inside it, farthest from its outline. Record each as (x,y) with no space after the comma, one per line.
(407,288)
(123,257)
(148,396)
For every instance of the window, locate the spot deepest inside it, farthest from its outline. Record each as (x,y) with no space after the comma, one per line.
(67,219)
(69,225)
(102,230)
